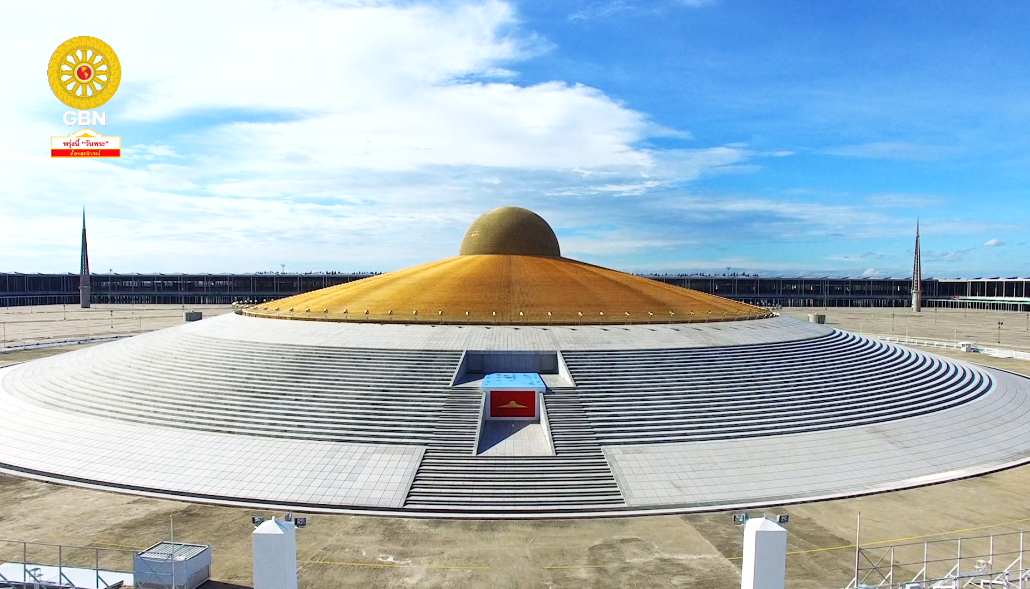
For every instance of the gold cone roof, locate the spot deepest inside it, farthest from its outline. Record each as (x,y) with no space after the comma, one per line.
(511,272)
(508,285)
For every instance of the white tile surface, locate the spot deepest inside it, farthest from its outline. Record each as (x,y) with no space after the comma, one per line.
(483,337)
(513,438)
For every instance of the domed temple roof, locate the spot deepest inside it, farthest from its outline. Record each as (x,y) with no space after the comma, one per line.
(510,271)
(511,231)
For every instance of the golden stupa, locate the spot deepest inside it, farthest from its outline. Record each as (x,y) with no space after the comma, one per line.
(509,271)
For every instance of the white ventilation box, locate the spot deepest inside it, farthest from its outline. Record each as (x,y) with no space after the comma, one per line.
(188,564)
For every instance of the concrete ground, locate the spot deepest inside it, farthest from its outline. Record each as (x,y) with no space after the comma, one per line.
(644,552)
(21,326)
(948,325)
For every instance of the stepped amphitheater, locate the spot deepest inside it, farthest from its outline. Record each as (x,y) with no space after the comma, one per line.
(654,399)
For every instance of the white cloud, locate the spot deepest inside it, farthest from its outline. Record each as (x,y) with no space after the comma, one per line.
(904,200)
(601,10)
(861,256)
(901,150)
(949,256)
(324,132)
(307,57)
(547,126)
(356,135)
(993,242)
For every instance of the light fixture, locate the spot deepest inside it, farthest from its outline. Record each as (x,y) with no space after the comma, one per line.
(740,519)
(257,521)
(782,519)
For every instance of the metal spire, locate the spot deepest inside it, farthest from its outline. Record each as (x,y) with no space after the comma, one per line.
(917,276)
(84,268)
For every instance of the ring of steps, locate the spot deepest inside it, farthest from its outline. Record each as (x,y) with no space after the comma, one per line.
(178,379)
(686,395)
(630,397)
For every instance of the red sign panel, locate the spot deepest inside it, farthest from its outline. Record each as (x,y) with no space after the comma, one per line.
(85,153)
(513,404)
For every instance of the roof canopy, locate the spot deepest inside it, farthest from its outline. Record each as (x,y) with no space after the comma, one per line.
(509,272)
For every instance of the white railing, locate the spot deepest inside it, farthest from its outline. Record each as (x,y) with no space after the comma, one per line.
(912,341)
(974,348)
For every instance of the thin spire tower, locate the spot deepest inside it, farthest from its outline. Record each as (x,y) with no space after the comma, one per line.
(917,276)
(84,268)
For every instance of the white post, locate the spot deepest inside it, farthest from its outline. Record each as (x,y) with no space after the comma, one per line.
(275,555)
(171,557)
(765,555)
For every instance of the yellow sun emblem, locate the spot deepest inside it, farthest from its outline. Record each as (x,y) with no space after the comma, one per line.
(84,73)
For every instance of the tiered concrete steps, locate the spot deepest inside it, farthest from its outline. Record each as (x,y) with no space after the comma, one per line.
(453,480)
(837,381)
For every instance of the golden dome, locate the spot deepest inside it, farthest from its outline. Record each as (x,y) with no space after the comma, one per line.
(510,271)
(510,230)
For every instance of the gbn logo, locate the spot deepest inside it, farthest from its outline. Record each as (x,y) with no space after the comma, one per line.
(85,118)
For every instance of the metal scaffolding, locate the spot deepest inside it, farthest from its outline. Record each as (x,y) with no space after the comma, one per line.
(995,561)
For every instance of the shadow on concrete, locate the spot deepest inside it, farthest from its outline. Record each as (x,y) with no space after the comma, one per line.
(221,585)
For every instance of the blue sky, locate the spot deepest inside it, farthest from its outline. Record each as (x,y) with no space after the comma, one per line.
(659,136)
